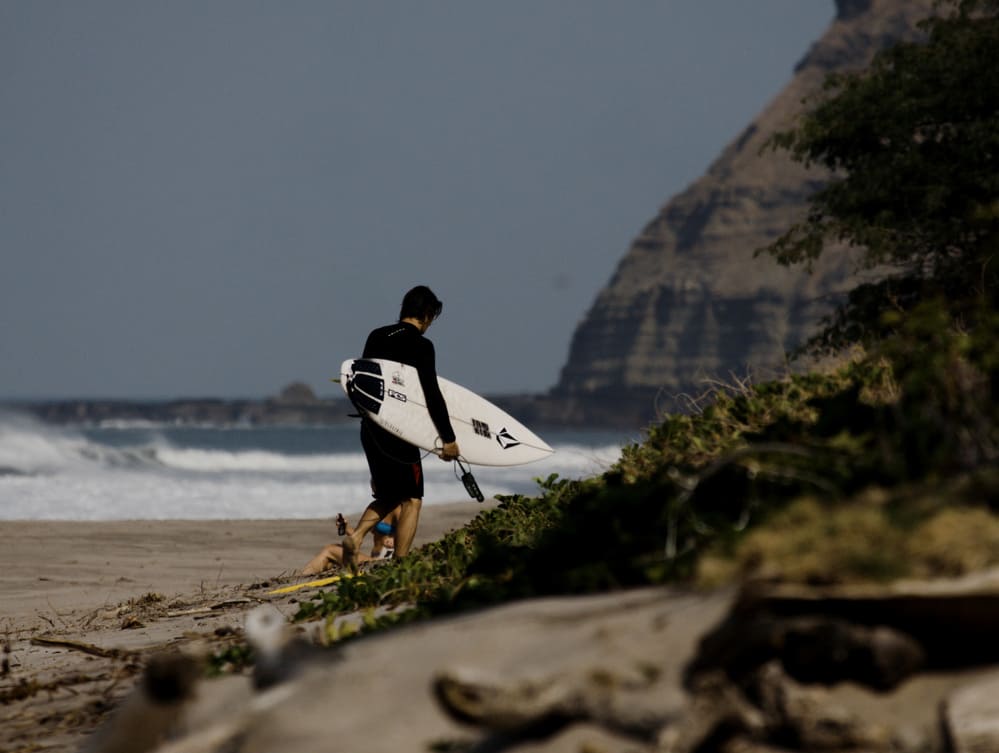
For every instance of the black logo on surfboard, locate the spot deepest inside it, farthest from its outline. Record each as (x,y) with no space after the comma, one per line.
(506,439)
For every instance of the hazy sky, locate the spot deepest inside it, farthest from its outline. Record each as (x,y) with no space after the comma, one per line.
(219,197)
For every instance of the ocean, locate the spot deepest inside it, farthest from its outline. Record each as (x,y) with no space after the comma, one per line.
(145,471)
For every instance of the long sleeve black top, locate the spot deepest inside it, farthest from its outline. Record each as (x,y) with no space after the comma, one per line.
(405,343)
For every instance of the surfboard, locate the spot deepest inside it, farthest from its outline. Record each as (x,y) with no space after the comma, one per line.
(390,394)
(308,584)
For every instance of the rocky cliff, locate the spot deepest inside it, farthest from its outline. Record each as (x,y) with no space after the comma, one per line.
(689,303)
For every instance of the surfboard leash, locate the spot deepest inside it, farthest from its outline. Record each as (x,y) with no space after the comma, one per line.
(468,480)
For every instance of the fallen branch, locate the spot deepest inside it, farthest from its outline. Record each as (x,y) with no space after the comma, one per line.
(87,648)
(211,607)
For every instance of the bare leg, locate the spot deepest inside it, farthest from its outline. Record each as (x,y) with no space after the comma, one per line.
(374,512)
(405,527)
(331,553)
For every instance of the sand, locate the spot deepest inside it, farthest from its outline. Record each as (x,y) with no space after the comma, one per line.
(52,571)
(136,586)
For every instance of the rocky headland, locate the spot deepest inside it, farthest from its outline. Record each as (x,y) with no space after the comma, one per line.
(689,303)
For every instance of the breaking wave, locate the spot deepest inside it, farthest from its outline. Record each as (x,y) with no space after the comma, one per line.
(156,471)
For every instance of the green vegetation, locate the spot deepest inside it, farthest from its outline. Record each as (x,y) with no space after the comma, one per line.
(913,143)
(880,469)
(884,467)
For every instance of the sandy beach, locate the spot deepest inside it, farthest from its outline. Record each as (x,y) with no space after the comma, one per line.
(54,571)
(132,587)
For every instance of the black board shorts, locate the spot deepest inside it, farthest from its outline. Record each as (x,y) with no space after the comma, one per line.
(395,465)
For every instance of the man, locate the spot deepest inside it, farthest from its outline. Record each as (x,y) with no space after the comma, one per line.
(396,468)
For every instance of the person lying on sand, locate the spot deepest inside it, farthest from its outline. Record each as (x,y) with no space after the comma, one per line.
(383,546)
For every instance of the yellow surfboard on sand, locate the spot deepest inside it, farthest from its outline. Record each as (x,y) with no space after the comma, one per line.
(307,584)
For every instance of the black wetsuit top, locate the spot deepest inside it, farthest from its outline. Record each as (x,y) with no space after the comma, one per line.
(405,343)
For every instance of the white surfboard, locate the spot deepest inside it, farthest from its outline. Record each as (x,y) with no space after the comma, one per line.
(389,393)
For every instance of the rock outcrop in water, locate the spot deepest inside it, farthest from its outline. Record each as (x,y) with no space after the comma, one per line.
(689,303)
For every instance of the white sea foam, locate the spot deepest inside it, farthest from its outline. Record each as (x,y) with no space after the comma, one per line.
(27,447)
(256,461)
(156,472)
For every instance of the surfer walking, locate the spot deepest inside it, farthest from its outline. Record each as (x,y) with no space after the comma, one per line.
(395,465)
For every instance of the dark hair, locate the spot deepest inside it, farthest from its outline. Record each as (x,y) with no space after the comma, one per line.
(420,303)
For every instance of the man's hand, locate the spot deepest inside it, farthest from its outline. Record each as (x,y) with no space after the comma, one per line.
(449,451)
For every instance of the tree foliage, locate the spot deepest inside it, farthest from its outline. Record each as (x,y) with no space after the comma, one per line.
(913,145)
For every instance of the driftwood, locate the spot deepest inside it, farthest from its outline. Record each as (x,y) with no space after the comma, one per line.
(769,676)
(208,609)
(87,648)
(525,710)
(776,709)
